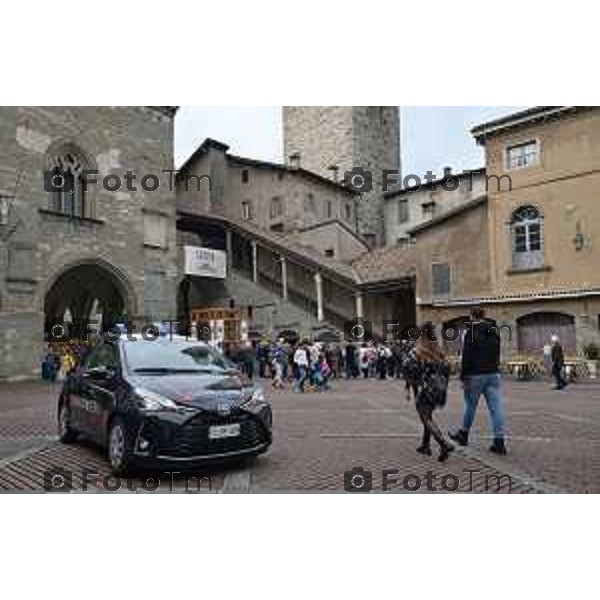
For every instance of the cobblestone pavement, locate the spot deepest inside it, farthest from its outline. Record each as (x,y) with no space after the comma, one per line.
(554,443)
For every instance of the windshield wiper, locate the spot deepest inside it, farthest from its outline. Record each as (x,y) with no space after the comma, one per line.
(168,371)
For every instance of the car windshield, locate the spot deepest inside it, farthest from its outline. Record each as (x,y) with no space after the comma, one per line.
(173,357)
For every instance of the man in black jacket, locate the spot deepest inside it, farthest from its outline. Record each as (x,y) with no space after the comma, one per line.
(480,375)
(558,363)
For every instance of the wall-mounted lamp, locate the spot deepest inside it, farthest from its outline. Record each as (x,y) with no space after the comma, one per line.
(579,239)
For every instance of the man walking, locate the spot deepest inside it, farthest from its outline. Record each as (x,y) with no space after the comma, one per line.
(301,364)
(558,363)
(480,375)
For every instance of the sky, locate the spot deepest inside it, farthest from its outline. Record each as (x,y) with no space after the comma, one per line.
(433,137)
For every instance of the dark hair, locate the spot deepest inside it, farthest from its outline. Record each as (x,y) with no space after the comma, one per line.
(429,351)
(477,313)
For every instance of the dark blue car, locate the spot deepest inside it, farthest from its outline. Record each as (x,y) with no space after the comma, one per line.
(163,403)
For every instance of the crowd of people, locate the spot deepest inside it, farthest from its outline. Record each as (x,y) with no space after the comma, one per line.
(60,359)
(312,365)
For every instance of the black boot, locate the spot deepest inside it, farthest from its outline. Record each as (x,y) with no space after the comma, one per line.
(460,436)
(498,446)
(445,452)
(424,449)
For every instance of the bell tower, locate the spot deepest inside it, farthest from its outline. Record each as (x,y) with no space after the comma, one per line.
(331,140)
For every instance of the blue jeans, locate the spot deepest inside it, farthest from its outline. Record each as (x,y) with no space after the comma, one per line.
(489,386)
(301,374)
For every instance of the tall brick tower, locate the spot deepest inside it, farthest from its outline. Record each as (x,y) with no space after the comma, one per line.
(331,140)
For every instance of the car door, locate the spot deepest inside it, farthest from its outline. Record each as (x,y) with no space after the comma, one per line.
(97,389)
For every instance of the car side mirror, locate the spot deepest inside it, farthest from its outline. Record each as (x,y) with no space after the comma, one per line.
(103,373)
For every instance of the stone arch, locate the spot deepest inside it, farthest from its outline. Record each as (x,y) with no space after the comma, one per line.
(535,329)
(78,284)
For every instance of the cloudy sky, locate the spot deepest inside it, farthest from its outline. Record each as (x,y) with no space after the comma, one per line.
(432,136)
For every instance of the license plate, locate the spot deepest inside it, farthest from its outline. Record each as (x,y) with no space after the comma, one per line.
(218,432)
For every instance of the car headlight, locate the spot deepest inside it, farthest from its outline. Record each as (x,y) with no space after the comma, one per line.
(151,401)
(256,400)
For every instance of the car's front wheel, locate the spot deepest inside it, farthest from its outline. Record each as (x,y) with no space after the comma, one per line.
(66,434)
(120,453)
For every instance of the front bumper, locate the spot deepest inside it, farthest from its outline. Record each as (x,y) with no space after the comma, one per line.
(184,439)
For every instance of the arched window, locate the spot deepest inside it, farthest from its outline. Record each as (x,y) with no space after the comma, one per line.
(66,182)
(527,242)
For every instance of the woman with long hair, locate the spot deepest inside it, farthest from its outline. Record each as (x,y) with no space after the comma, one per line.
(425,364)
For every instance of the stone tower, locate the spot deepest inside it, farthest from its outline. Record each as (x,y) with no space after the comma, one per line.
(331,140)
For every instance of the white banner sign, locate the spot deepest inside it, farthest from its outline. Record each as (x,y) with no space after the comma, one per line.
(205,262)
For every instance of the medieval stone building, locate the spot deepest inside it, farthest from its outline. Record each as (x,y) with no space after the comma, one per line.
(77,250)
(333,140)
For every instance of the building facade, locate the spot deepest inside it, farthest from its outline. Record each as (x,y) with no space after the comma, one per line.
(289,200)
(332,140)
(529,251)
(70,253)
(407,208)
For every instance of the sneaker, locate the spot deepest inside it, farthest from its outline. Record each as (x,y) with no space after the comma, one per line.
(498,447)
(460,436)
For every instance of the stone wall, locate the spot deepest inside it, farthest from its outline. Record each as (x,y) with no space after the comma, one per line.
(129,234)
(347,137)
(462,243)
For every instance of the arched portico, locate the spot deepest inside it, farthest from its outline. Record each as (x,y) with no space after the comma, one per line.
(80,286)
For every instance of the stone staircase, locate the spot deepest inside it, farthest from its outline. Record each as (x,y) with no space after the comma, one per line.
(270,311)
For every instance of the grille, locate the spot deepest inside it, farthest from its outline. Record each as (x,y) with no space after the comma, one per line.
(192,438)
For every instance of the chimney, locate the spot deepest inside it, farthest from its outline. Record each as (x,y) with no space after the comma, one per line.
(294,160)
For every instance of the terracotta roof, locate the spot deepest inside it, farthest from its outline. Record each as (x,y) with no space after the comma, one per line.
(385,265)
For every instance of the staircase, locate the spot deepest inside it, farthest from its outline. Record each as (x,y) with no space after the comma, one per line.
(270,311)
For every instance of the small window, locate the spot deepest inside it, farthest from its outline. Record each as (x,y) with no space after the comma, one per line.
(276,209)
(403,212)
(245,176)
(247,211)
(440,276)
(278,227)
(329,209)
(522,156)
(348,211)
(330,253)
(66,177)
(428,210)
